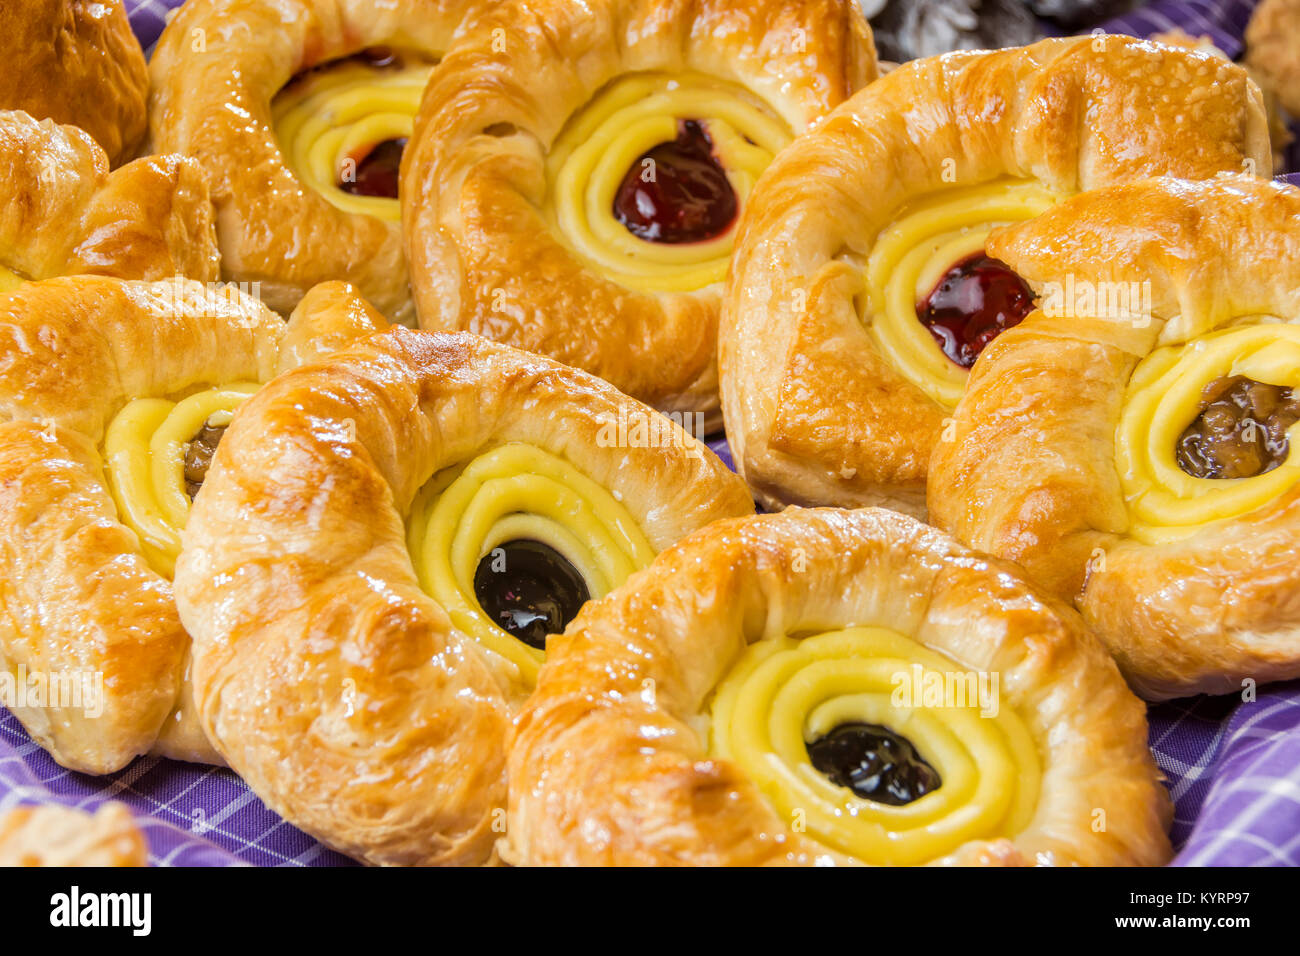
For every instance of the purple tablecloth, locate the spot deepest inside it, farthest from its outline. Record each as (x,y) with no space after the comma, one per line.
(1233,767)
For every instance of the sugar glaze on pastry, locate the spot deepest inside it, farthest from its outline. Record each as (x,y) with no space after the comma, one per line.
(860,291)
(1154,483)
(384,549)
(764,693)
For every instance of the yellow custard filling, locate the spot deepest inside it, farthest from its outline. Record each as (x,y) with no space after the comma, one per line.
(1164,396)
(517,492)
(601,143)
(780,695)
(327,121)
(144,448)
(910,257)
(9,280)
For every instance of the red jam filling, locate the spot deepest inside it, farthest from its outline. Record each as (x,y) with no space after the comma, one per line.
(688,197)
(377,172)
(973,303)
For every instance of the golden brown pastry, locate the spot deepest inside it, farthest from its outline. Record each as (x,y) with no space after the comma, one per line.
(62,212)
(579,167)
(76,62)
(55,835)
(1273,49)
(112,395)
(824,686)
(299,111)
(860,291)
(383,547)
(1130,443)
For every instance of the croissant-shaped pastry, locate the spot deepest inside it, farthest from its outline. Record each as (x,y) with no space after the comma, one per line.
(55,835)
(112,396)
(78,63)
(1130,443)
(860,292)
(825,686)
(299,111)
(579,167)
(62,212)
(382,549)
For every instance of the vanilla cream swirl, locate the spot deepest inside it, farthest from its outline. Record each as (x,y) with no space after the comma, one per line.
(782,694)
(145,446)
(328,121)
(927,238)
(1164,397)
(517,492)
(600,144)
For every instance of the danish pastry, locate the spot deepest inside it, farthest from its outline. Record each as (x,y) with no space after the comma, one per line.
(860,291)
(579,168)
(112,395)
(823,686)
(76,63)
(1130,443)
(62,211)
(383,547)
(55,835)
(299,110)
(1273,49)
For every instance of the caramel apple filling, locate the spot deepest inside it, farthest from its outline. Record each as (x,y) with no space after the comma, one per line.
(1204,431)
(157,453)
(1241,430)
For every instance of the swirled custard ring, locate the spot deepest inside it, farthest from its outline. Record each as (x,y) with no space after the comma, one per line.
(384,546)
(825,686)
(861,291)
(579,169)
(76,63)
(63,213)
(1132,443)
(112,395)
(299,110)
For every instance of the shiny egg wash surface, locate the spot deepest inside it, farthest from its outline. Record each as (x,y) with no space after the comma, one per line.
(198,456)
(687,197)
(875,763)
(975,301)
(529,590)
(1240,431)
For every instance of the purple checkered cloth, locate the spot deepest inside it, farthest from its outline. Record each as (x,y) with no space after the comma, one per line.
(1233,767)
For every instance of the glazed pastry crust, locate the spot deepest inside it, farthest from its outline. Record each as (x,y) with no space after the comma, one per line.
(75,589)
(215,104)
(77,62)
(65,213)
(1273,49)
(603,773)
(475,183)
(1031,472)
(815,414)
(323,673)
(55,835)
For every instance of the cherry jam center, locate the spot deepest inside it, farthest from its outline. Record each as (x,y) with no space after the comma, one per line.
(677,192)
(1240,431)
(198,456)
(378,171)
(875,763)
(975,301)
(529,590)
